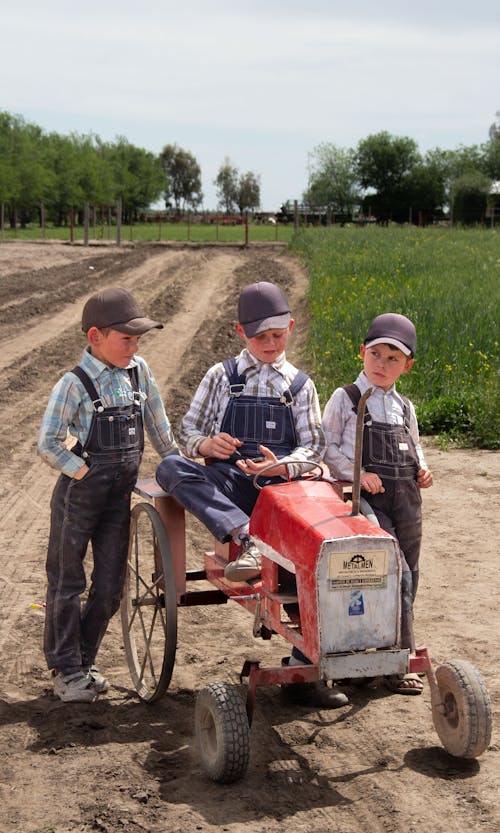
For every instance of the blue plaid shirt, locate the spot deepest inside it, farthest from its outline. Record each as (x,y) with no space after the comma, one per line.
(70,410)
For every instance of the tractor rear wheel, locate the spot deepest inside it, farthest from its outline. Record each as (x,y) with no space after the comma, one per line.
(149,605)
(222,732)
(464,727)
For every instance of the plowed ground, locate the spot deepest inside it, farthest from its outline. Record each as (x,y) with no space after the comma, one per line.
(119,765)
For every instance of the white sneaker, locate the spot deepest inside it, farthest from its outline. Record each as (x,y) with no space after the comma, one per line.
(99,681)
(74,688)
(247,566)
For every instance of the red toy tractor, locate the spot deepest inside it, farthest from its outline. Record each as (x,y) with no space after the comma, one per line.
(330,586)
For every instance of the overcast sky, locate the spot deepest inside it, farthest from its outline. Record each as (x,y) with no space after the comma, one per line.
(262,83)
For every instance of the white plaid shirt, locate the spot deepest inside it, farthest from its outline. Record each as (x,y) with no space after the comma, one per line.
(339,424)
(209,403)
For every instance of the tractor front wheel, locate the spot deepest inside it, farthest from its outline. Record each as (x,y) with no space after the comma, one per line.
(222,732)
(463,719)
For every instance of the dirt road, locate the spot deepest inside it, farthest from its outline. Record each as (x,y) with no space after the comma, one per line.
(119,766)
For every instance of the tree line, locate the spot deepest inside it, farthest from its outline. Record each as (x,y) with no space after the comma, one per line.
(388,177)
(385,176)
(62,172)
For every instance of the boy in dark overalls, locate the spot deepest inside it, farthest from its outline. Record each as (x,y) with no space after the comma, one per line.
(105,402)
(393,465)
(256,405)
(248,412)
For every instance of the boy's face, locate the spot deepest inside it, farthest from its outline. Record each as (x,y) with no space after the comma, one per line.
(113,348)
(384,364)
(268,345)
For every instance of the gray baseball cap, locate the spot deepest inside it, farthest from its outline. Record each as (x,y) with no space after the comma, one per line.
(263,306)
(395,329)
(116,308)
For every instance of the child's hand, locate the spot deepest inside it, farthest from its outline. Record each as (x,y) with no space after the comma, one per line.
(221,446)
(80,474)
(424,478)
(257,464)
(371,482)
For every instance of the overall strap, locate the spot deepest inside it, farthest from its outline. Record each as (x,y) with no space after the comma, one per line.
(236,382)
(354,394)
(298,382)
(90,387)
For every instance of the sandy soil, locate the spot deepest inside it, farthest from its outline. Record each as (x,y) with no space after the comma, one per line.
(121,765)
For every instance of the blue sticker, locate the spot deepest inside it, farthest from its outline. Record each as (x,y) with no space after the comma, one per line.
(356,605)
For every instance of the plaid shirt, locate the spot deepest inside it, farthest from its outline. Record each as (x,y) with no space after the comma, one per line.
(209,403)
(339,423)
(70,410)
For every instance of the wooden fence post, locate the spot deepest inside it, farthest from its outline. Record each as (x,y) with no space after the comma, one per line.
(295,215)
(86,221)
(119,221)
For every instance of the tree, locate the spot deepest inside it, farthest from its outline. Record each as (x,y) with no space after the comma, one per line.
(382,162)
(494,131)
(183,177)
(226,183)
(469,197)
(332,179)
(248,192)
(491,158)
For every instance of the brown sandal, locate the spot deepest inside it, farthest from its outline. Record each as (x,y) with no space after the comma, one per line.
(405,684)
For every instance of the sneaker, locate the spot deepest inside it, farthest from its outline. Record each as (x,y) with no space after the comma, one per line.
(317,694)
(99,681)
(74,688)
(247,566)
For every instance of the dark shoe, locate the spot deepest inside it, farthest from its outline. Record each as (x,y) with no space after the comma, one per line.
(247,566)
(317,694)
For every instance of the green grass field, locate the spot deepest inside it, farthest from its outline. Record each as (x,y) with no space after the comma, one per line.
(448,282)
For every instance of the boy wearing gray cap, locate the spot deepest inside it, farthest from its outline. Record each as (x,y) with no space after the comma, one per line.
(105,403)
(248,412)
(393,464)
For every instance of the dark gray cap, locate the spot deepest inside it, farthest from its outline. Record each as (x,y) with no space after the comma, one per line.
(395,329)
(263,306)
(116,308)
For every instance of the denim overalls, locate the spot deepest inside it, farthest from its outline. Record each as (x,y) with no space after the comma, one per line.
(389,451)
(219,494)
(95,509)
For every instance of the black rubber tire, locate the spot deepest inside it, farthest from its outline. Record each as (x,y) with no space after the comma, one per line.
(222,732)
(149,605)
(465,727)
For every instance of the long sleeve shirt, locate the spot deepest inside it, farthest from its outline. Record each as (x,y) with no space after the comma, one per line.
(69,410)
(339,424)
(209,403)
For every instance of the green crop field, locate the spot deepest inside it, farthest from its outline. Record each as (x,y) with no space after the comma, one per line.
(448,282)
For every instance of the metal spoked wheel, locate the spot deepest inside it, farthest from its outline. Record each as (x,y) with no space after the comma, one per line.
(222,732)
(149,605)
(464,721)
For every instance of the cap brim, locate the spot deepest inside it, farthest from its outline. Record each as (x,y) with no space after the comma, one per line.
(388,340)
(276,322)
(137,326)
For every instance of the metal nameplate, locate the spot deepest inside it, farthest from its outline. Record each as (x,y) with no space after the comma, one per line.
(356,568)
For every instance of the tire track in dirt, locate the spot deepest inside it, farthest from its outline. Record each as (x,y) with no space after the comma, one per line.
(373,767)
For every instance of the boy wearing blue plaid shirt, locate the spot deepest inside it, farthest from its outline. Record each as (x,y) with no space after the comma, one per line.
(105,403)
